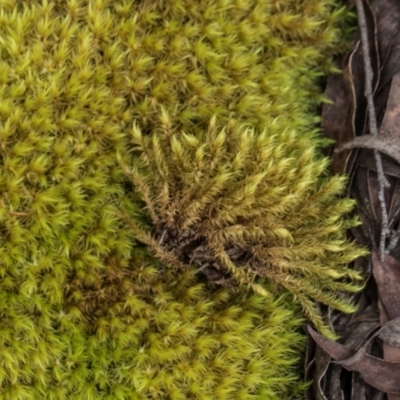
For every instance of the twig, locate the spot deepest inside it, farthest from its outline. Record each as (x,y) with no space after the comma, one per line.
(18,214)
(373,126)
(162,236)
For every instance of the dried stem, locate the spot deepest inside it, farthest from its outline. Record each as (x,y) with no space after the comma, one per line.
(373,126)
(18,214)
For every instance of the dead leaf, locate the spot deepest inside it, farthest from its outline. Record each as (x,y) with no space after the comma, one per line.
(360,336)
(378,373)
(358,391)
(390,353)
(387,277)
(337,116)
(387,14)
(322,360)
(366,159)
(391,121)
(394,206)
(390,333)
(385,144)
(332,112)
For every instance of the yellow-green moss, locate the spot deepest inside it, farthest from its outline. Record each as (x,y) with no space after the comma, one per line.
(160,337)
(240,205)
(81,308)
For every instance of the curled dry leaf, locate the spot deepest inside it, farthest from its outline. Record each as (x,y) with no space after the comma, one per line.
(380,374)
(390,333)
(360,335)
(384,144)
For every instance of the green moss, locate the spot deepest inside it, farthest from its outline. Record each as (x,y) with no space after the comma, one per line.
(85,314)
(158,338)
(241,205)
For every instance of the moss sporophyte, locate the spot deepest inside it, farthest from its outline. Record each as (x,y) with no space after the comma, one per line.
(161,175)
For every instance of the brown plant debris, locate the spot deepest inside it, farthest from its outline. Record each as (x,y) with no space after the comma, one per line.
(365,363)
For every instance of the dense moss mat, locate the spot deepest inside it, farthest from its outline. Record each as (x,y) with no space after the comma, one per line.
(85,312)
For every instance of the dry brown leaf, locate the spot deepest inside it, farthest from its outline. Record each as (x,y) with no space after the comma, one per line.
(391,121)
(390,353)
(385,144)
(388,25)
(387,277)
(390,333)
(380,374)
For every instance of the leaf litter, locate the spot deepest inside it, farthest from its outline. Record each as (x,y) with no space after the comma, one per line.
(364,364)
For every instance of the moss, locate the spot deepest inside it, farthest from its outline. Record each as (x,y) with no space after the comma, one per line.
(86,313)
(163,338)
(240,205)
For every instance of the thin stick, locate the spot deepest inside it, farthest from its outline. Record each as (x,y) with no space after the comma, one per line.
(18,214)
(373,126)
